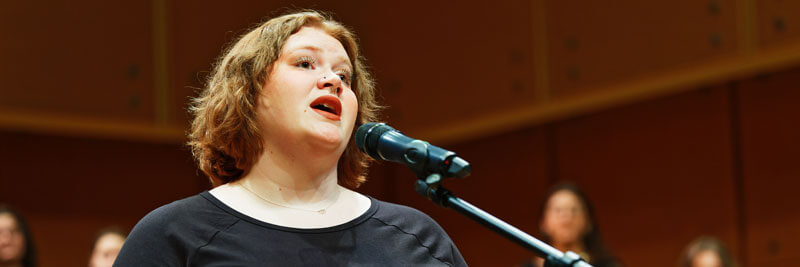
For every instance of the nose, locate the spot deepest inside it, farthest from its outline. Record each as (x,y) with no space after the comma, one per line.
(332,82)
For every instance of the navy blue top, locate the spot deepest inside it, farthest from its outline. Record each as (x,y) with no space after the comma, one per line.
(202,231)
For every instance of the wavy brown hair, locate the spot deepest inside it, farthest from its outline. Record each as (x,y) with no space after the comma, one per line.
(225,137)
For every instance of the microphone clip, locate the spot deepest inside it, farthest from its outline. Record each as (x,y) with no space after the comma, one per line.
(430,188)
(425,160)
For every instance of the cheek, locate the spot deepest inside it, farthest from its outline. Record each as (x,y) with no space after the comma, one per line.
(19,241)
(350,104)
(548,224)
(285,88)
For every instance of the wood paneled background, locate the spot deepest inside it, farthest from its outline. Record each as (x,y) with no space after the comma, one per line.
(679,118)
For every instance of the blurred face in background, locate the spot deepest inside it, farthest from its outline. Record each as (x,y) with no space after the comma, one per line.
(106,249)
(565,219)
(707,258)
(12,242)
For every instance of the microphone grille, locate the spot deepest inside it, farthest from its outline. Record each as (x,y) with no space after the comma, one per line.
(367,137)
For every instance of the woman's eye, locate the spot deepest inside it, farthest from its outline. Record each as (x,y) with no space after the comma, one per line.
(305,62)
(344,78)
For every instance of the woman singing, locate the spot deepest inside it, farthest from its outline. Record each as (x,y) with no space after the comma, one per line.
(272,130)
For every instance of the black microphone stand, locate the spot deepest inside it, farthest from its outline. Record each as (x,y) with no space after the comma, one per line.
(431,164)
(430,187)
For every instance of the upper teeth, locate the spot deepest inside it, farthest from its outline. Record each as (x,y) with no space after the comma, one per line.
(327,106)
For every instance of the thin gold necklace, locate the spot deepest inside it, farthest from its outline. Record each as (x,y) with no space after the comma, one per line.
(319,211)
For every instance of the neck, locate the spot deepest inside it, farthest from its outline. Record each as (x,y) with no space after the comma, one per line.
(286,178)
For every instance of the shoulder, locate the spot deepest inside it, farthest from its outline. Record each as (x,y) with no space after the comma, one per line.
(197,210)
(401,215)
(176,210)
(199,213)
(412,222)
(171,233)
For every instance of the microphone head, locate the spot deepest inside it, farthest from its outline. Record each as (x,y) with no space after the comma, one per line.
(367,137)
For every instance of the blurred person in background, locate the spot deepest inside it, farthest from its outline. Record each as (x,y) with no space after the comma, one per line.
(273,130)
(567,222)
(106,247)
(706,251)
(16,244)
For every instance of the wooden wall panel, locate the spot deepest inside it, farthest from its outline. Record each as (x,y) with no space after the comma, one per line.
(439,61)
(770,134)
(659,173)
(201,30)
(592,43)
(778,22)
(85,58)
(508,180)
(67,240)
(69,188)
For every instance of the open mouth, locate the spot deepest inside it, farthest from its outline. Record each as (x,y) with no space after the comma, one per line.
(327,106)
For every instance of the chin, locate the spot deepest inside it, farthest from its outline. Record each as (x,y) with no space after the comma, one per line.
(328,136)
(332,140)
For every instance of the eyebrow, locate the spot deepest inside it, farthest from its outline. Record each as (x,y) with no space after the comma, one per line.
(309,47)
(317,50)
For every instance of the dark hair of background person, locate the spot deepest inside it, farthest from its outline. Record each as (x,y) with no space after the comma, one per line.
(29,258)
(599,254)
(706,243)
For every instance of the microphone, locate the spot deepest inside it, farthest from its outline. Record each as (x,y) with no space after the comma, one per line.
(382,142)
